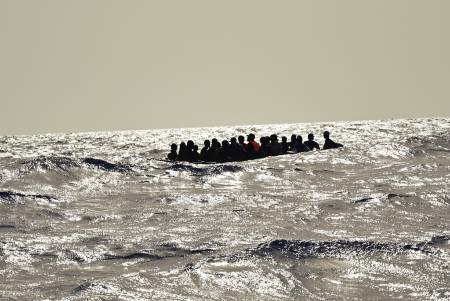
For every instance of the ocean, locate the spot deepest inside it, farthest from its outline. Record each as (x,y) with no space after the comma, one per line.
(103,216)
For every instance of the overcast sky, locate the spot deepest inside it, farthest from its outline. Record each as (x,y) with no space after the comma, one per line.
(87,65)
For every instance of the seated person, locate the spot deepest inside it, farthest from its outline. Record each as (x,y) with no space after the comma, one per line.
(173,152)
(190,155)
(241,141)
(195,154)
(224,153)
(300,147)
(251,154)
(251,140)
(182,152)
(204,151)
(237,150)
(284,145)
(264,151)
(213,151)
(311,143)
(293,142)
(330,143)
(275,146)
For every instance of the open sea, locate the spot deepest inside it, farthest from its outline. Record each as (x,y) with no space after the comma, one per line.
(102,216)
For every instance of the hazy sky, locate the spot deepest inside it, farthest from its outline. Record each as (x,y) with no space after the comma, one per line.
(83,65)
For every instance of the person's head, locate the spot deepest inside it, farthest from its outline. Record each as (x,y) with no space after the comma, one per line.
(225,143)
(207,143)
(182,146)
(214,142)
(174,147)
(293,137)
(251,137)
(195,148)
(241,139)
(233,140)
(310,137)
(284,139)
(190,144)
(326,135)
(299,139)
(273,138)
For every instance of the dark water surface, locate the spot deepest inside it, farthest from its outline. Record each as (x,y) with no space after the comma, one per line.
(99,216)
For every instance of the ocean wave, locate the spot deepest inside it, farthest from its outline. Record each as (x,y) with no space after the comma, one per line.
(432,143)
(161,252)
(386,196)
(64,164)
(13,197)
(107,166)
(7,226)
(301,248)
(98,287)
(212,169)
(44,163)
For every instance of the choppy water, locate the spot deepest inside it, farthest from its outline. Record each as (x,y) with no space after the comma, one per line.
(98,216)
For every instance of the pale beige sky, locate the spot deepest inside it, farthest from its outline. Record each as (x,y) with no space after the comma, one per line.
(68,66)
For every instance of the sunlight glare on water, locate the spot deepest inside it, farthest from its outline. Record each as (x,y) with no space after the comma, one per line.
(103,216)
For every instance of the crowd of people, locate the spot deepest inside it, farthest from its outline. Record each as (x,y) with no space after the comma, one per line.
(239,150)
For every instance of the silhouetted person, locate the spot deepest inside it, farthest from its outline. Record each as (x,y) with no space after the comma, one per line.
(241,140)
(300,147)
(251,153)
(190,156)
(196,155)
(293,142)
(182,152)
(251,140)
(284,145)
(275,147)
(173,152)
(204,151)
(224,154)
(237,150)
(264,151)
(311,143)
(330,143)
(213,151)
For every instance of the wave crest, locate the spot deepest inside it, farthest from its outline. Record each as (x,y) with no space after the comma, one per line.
(205,171)
(301,248)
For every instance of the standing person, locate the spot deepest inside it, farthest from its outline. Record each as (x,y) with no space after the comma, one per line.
(204,151)
(311,143)
(173,152)
(300,147)
(330,143)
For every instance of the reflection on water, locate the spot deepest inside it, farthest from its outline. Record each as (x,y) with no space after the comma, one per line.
(100,216)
